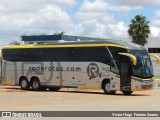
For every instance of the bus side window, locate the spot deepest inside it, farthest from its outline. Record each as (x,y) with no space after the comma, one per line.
(114,67)
(88,54)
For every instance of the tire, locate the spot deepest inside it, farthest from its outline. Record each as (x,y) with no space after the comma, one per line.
(35,84)
(127,92)
(24,84)
(106,88)
(54,88)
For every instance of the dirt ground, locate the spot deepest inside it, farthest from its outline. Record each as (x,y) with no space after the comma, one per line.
(12,98)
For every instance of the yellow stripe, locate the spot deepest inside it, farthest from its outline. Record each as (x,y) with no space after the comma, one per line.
(7,83)
(131,56)
(156,56)
(60,46)
(141,78)
(1,56)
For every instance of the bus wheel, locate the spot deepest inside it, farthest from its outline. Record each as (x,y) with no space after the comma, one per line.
(106,88)
(127,92)
(35,84)
(54,88)
(24,84)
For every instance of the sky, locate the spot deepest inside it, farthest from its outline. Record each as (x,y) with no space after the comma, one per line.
(92,18)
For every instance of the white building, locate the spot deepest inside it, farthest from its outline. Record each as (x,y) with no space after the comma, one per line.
(153,46)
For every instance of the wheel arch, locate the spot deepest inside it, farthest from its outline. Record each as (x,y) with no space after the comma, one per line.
(104,80)
(33,78)
(22,77)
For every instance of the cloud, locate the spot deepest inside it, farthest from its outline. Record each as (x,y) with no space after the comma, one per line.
(23,3)
(91,18)
(97,29)
(47,15)
(25,6)
(157,13)
(155,25)
(47,19)
(156,19)
(35,17)
(102,26)
(102,5)
(119,29)
(101,16)
(96,21)
(65,2)
(155,31)
(138,2)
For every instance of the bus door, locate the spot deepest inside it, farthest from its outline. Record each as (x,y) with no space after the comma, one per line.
(125,77)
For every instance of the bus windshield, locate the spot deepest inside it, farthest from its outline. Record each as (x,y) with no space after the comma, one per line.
(144,65)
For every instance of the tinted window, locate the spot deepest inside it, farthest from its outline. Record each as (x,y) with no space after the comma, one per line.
(150,50)
(97,54)
(154,50)
(158,50)
(51,54)
(114,51)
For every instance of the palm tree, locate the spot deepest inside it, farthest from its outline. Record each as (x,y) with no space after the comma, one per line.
(139,30)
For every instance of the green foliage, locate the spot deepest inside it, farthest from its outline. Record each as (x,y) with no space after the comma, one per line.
(139,30)
(38,43)
(59,33)
(29,42)
(15,43)
(157,77)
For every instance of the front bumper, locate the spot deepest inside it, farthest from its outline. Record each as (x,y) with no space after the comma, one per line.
(142,84)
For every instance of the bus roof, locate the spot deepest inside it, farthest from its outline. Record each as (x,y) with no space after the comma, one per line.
(85,43)
(46,38)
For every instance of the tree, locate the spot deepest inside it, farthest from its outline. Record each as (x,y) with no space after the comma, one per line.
(59,33)
(15,43)
(139,30)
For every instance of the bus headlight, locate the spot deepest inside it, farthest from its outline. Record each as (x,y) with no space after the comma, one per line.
(147,84)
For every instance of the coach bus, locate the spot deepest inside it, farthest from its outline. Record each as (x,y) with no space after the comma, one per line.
(89,64)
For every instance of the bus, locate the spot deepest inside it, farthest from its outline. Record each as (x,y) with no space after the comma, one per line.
(93,63)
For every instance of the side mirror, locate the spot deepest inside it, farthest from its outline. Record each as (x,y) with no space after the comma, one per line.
(155,56)
(134,60)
